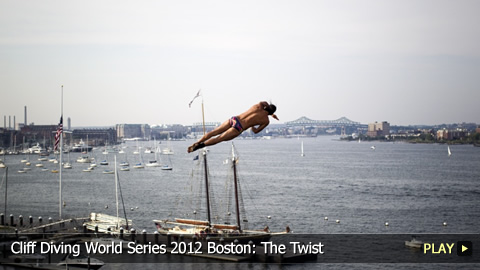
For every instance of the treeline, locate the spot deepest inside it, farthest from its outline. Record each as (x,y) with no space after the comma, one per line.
(473,138)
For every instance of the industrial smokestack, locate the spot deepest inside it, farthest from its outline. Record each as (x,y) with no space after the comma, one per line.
(14,122)
(4,122)
(25,123)
(9,122)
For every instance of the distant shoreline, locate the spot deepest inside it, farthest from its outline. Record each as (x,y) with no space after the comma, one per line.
(416,140)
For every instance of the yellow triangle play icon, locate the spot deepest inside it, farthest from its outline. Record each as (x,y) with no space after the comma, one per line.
(464,248)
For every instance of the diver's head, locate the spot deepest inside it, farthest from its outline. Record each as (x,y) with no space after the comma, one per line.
(270,109)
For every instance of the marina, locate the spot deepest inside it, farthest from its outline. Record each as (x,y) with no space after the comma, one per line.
(413,188)
(354,126)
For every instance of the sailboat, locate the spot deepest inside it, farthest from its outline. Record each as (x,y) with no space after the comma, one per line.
(105,152)
(136,152)
(139,165)
(124,165)
(107,223)
(167,167)
(25,160)
(68,165)
(302,153)
(449,152)
(215,232)
(84,159)
(168,150)
(154,163)
(205,228)
(105,161)
(89,169)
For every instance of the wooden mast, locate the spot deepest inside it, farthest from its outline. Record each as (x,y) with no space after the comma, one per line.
(235,181)
(207,193)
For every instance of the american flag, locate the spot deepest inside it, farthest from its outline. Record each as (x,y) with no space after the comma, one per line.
(197,95)
(58,134)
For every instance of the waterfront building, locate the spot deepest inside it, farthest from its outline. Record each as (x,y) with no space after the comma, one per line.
(452,134)
(442,134)
(96,136)
(129,131)
(378,129)
(38,134)
(165,132)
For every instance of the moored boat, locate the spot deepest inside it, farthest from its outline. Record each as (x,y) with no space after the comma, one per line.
(216,232)
(84,159)
(414,243)
(81,261)
(81,147)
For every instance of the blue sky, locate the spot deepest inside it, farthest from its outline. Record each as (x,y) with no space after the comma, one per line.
(406,62)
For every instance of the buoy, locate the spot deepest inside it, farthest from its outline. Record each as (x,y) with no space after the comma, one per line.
(131,209)
(386,223)
(326,218)
(269,217)
(444,223)
(338,220)
(106,206)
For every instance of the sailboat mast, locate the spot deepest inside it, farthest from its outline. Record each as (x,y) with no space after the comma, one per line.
(60,163)
(207,193)
(206,186)
(235,181)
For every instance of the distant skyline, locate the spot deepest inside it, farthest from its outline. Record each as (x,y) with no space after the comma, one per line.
(408,62)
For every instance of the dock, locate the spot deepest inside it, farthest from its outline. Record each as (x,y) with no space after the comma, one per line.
(72,231)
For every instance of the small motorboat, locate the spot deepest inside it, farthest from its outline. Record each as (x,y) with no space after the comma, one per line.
(414,243)
(81,261)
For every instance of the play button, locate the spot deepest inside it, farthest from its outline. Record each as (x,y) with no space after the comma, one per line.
(464,248)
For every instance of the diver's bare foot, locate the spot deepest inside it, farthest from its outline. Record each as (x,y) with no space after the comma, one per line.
(195,147)
(192,147)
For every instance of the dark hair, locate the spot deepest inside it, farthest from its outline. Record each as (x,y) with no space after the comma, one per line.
(271,109)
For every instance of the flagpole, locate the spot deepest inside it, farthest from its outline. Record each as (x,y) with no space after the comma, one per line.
(61,150)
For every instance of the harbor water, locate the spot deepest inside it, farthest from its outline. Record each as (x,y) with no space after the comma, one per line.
(415,188)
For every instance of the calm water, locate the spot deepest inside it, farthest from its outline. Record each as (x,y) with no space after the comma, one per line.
(413,187)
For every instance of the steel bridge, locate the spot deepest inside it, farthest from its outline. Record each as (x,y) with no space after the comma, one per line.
(341,122)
